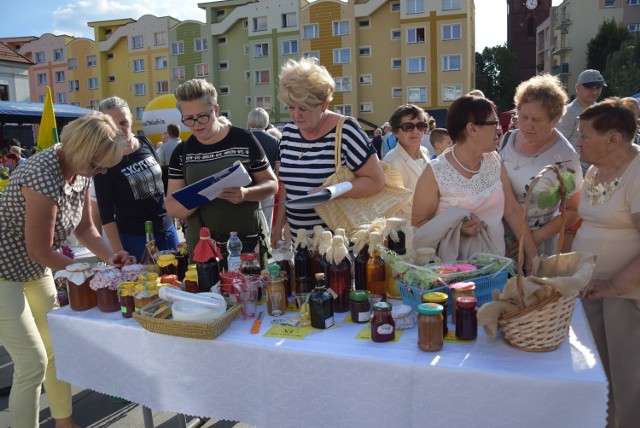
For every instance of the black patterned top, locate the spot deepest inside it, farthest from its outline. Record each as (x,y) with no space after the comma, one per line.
(43,174)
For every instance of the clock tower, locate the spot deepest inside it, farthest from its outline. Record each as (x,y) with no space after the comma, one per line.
(523,17)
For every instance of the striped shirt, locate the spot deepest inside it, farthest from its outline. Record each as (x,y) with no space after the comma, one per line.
(305,165)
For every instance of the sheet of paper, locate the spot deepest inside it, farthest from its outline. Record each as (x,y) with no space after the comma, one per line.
(238,177)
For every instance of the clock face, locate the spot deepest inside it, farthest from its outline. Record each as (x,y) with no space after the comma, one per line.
(532,4)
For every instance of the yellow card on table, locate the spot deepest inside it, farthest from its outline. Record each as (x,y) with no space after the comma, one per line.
(365,334)
(288,332)
(451,338)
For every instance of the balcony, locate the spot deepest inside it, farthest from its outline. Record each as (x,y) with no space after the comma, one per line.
(560,50)
(560,70)
(561,19)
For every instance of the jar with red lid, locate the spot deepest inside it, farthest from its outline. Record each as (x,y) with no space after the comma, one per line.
(466,318)
(430,319)
(460,289)
(383,327)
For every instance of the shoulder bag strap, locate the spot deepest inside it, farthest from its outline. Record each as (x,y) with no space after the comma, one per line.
(338,144)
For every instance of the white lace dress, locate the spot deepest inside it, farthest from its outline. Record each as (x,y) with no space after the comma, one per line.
(481,194)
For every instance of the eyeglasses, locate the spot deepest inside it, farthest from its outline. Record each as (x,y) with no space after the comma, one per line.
(201,118)
(410,126)
(487,123)
(95,167)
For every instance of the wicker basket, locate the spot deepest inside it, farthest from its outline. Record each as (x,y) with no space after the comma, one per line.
(190,329)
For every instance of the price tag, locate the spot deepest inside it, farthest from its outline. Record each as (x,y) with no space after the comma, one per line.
(286,332)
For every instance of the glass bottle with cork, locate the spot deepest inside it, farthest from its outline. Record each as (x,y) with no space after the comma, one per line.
(361,256)
(315,255)
(325,242)
(321,305)
(394,234)
(302,258)
(376,267)
(283,256)
(276,293)
(339,273)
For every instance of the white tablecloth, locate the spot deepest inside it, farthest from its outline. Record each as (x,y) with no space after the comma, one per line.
(330,379)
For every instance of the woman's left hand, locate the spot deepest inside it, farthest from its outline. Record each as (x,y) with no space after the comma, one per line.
(599,289)
(235,195)
(121,258)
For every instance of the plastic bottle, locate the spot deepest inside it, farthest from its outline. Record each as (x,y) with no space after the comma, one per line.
(234,248)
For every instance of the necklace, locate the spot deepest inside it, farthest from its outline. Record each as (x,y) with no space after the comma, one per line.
(303,152)
(453,153)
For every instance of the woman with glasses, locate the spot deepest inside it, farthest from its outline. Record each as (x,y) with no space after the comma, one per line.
(463,195)
(409,124)
(213,147)
(307,146)
(45,201)
(132,192)
(540,103)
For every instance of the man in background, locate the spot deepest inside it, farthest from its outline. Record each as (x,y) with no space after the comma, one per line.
(165,151)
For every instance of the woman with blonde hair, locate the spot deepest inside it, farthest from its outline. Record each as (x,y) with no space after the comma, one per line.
(45,201)
(307,146)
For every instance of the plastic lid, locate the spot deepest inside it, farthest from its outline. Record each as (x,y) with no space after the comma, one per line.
(382,306)
(466,302)
(463,286)
(359,295)
(273,269)
(233,233)
(435,296)
(430,309)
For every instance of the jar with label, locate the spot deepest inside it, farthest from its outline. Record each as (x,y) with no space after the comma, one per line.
(441,299)
(191,281)
(81,296)
(360,306)
(321,305)
(168,264)
(126,290)
(430,320)
(460,289)
(276,293)
(383,327)
(466,318)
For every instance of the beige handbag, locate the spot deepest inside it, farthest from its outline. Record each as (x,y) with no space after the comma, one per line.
(350,213)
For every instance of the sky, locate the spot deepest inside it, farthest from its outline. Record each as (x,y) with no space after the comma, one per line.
(36,17)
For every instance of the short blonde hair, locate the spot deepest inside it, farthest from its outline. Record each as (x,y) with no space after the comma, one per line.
(258,118)
(305,83)
(545,89)
(196,89)
(94,137)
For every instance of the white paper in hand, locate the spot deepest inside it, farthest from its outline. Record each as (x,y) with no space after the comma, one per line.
(322,196)
(238,178)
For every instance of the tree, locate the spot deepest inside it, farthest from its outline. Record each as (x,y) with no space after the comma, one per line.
(607,40)
(495,75)
(623,68)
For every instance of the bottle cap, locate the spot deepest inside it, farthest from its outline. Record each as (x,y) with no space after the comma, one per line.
(233,234)
(466,302)
(273,269)
(430,309)
(382,306)
(435,296)
(359,295)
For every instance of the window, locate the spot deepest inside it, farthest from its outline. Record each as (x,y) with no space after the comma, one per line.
(262,77)
(609,3)
(61,97)
(451,92)
(161,62)
(451,32)
(137,42)
(222,40)
(201,45)
(395,6)
(396,63)
(177,73)
(41,98)
(260,23)
(417,65)
(94,103)
(58,55)
(246,49)
(72,63)
(138,65)
(223,65)
(289,47)
(364,23)
(111,78)
(39,57)
(396,92)
(92,61)
(289,20)
(396,34)
(450,4)
(75,103)
(74,85)
(220,13)
(310,31)
(202,70)
(633,27)
(366,107)
(60,77)
(247,75)
(223,90)
(344,109)
(162,87)
(92,83)
(633,2)
(340,28)
(247,101)
(140,89)
(139,112)
(177,48)
(415,35)
(451,62)
(342,56)
(42,78)
(264,102)
(364,51)
(343,84)
(260,50)
(415,6)
(110,55)
(160,38)
(365,79)
(311,54)
(417,94)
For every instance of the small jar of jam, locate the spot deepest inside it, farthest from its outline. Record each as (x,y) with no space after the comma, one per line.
(460,289)
(430,320)
(191,281)
(168,264)
(383,327)
(466,318)
(126,290)
(249,264)
(441,299)
(359,306)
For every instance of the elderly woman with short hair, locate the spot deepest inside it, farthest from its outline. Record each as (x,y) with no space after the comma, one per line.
(45,201)
(610,211)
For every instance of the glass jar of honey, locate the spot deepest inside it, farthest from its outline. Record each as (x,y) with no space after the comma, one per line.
(430,320)
(81,296)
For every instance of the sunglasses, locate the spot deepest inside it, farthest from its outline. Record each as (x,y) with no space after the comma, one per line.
(410,126)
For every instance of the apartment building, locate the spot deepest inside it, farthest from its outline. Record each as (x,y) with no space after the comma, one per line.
(14,74)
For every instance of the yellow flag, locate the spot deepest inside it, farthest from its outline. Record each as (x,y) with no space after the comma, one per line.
(48,132)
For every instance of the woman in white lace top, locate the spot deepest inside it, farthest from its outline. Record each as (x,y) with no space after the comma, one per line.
(469,176)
